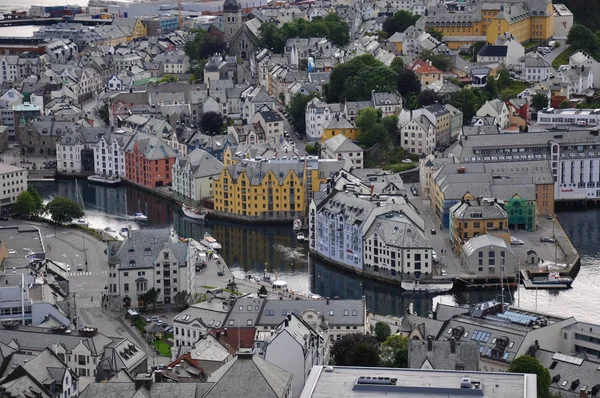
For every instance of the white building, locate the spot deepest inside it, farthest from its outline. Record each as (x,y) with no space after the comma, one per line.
(390,103)
(396,244)
(62,50)
(151,259)
(318,115)
(293,346)
(488,255)
(497,109)
(192,324)
(74,153)
(193,174)
(14,181)
(580,59)
(514,51)
(534,68)
(357,232)
(342,147)
(563,21)
(109,154)
(418,136)
(255,98)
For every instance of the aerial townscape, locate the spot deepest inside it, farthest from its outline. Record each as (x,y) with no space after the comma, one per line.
(299,198)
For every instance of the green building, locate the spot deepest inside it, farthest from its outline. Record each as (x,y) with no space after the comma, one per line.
(522,214)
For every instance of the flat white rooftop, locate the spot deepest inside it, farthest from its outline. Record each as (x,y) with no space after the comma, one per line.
(342,381)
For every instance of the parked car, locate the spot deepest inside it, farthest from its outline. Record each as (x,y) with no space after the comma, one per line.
(4,218)
(79,267)
(433,231)
(220,273)
(68,268)
(407,161)
(516,241)
(549,217)
(169,329)
(546,239)
(153,318)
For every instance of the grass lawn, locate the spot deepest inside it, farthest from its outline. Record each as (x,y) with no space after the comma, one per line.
(163,348)
(532,44)
(514,88)
(140,323)
(562,59)
(398,167)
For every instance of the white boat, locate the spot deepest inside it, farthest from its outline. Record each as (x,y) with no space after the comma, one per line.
(426,287)
(297,224)
(109,180)
(300,236)
(140,217)
(211,242)
(83,222)
(279,283)
(193,213)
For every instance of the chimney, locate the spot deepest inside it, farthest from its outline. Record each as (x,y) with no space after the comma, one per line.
(429,344)
(452,346)
(287,322)
(225,332)
(327,301)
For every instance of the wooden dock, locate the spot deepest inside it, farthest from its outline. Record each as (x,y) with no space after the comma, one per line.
(530,285)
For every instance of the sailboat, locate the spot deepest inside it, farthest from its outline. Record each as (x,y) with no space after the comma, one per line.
(194,213)
(82,221)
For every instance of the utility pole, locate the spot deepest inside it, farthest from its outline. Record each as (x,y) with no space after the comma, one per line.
(74,310)
(84,250)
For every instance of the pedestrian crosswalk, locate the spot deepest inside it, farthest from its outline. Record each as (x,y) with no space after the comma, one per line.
(87,273)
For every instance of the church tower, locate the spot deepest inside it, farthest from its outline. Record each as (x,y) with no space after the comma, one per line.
(232,16)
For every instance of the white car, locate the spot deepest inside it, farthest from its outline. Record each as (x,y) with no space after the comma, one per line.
(407,161)
(434,257)
(68,268)
(515,241)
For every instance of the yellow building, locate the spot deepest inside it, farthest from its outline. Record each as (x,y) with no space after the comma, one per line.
(526,21)
(471,218)
(267,190)
(340,125)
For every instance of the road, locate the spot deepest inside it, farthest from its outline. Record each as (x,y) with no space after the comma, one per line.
(556,51)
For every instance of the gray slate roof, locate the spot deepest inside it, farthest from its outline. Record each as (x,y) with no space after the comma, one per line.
(466,353)
(336,312)
(143,248)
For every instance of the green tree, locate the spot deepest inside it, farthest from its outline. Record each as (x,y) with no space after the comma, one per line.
(465,98)
(262,291)
(476,47)
(565,104)
(408,82)
(399,22)
(104,115)
(397,64)
(492,87)
(168,79)
(371,129)
(211,123)
(151,297)
(356,79)
(203,45)
(63,210)
(25,205)
(528,364)
(583,39)
(313,149)
(539,101)
(37,199)
(297,110)
(428,97)
(382,331)
(439,61)
(355,349)
(182,299)
(394,351)
(270,37)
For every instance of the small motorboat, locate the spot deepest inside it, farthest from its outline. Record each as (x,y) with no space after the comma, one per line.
(109,180)
(418,287)
(211,242)
(553,278)
(300,236)
(140,217)
(193,213)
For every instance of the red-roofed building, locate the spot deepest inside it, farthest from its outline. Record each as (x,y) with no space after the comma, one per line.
(235,338)
(148,161)
(426,72)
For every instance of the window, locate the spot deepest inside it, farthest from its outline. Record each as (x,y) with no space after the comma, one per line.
(231,322)
(331,312)
(249,322)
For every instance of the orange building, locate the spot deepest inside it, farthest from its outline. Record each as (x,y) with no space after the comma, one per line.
(148,161)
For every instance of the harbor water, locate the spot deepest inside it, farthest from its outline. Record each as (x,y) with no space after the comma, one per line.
(250,249)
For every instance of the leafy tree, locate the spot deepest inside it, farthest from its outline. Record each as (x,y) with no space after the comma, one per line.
(439,61)
(103,112)
(539,101)
(528,364)
(211,123)
(313,149)
(168,78)
(150,297)
(37,199)
(397,64)
(382,331)
(586,12)
(399,22)
(476,47)
(492,87)
(182,299)
(408,82)
(394,351)
(355,349)
(372,130)
(297,110)
(583,39)
(465,98)
(436,34)
(25,205)
(270,37)
(263,291)
(565,104)
(355,80)
(428,97)
(203,46)
(63,210)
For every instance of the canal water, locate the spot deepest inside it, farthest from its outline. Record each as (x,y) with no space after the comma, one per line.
(249,249)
